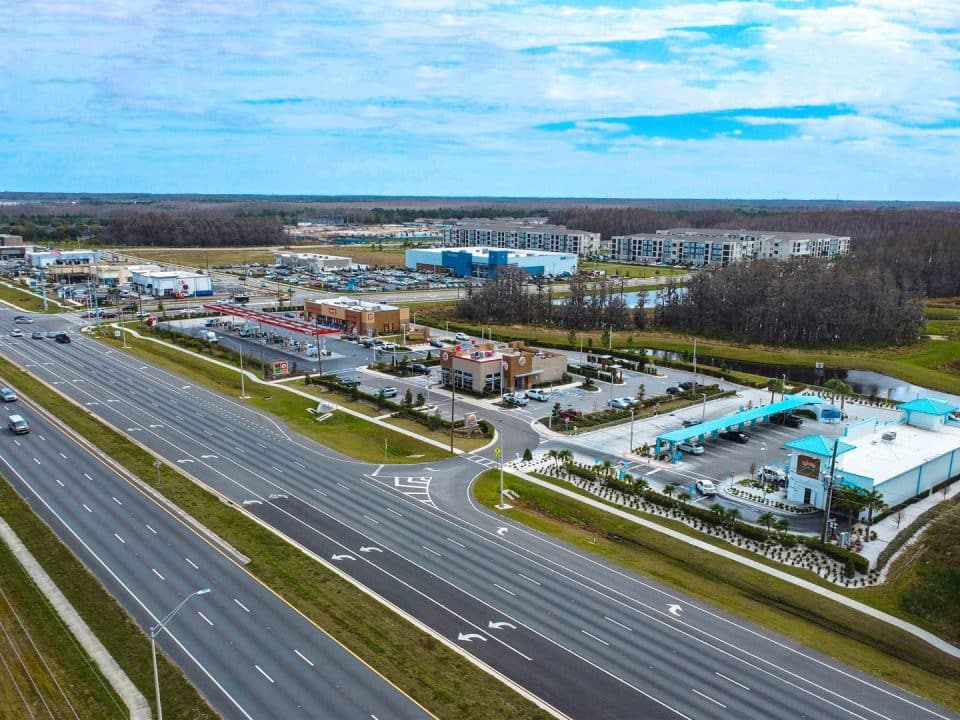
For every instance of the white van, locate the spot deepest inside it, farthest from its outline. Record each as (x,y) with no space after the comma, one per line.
(209,336)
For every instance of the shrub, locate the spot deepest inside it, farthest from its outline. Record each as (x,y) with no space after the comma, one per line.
(527,455)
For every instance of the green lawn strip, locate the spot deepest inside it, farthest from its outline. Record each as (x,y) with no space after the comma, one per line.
(438,678)
(26,300)
(200,257)
(627,270)
(463,443)
(342,432)
(107,619)
(817,622)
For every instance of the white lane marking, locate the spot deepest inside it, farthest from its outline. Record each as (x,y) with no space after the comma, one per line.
(302,467)
(458,544)
(241,605)
(389,509)
(151,530)
(16,442)
(205,618)
(620,624)
(345,487)
(87,476)
(729,679)
(303,657)
(192,564)
(36,461)
(241,450)
(41,437)
(120,538)
(375,472)
(86,507)
(431,550)
(116,501)
(594,637)
(276,468)
(375,522)
(158,574)
(529,579)
(321,492)
(59,482)
(260,670)
(63,456)
(508,592)
(707,697)
(655,471)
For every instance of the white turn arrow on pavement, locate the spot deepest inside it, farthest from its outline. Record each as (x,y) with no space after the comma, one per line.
(675,610)
(156,426)
(210,457)
(252,502)
(468,637)
(501,625)
(501,531)
(343,557)
(370,549)
(184,460)
(134,429)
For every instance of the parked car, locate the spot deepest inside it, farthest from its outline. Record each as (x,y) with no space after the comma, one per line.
(434,342)
(462,336)
(63,338)
(350,382)
(618,404)
(18,425)
(694,448)
(735,436)
(787,419)
(769,473)
(388,347)
(537,394)
(419,368)
(570,414)
(630,401)
(686,385)
(690,423)
(350,337)
(38,335)
(387,392)
(706,487)
(16,332)
(7,395)
(515,399)
(673,391)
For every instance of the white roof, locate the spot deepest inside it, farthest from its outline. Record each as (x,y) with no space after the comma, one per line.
(171,274)
(882,459)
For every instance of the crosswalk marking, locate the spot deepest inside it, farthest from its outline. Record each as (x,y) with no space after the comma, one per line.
(480,460)
(416,487)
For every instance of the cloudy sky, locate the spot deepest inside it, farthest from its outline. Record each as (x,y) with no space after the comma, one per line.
(780,99)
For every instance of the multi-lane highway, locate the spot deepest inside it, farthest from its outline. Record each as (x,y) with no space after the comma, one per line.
(588,639)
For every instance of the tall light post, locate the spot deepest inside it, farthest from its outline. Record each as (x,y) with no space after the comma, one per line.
(703,414)
(763,455)
(783,387)
(243,386)
(499,453)
(828,490)
(155,630)
(630,449)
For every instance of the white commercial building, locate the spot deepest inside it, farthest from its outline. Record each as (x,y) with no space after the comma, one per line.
(171,283)
(485,262)
(520,235)
(706,247)
(313,262)
(44,258)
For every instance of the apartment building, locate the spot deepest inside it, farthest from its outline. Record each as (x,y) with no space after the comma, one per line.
(716,247)
(520,235)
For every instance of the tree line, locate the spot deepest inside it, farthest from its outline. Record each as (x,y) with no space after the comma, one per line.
(195,229)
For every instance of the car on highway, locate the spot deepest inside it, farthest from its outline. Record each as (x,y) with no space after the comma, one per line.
(38,335)
(769,473)
(618,404)
(515,399)
(735,436)
(434,342)
(694,448)
(64,339)
(706,487)
(672,390)
(7,395)
(387,392)
(18,425)
(22,320)
(16,332)
(537,394)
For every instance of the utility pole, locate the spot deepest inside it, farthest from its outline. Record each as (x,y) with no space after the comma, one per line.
(453,395)
(829,491)
(694,362)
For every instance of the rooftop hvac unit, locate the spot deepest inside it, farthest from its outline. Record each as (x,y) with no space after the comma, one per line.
(889,435)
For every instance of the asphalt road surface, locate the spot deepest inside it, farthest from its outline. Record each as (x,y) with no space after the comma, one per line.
(590,640)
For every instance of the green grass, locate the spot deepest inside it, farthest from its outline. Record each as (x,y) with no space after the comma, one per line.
(627,270)
(200,257)
(26,300)
(817,622)
(342,432)
(428,671)
(84,685)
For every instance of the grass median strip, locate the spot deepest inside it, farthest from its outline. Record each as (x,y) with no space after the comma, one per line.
(342,432)
(431,673)
(817,622)
(86,690)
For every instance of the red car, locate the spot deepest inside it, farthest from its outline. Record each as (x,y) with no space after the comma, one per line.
(570,414)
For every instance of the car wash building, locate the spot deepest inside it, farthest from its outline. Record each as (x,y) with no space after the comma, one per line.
(899,459)
(484,262)
(171,283)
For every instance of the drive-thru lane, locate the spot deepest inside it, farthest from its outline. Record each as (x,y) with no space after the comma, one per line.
(652,645)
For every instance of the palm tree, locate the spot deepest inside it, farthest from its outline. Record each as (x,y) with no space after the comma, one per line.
(851,499)
(767,519)
(774,386)
(668,490)
(641,485)
(875,503)
(606,470)
(641,391)
(732,516)
(718,510)
(684,497)
(836,386)
(782,525)
(554,455)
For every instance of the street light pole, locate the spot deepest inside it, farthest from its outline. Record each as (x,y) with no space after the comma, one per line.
(829,491)
(630,449)
(783,387)
(243,386)
(154,631)
(703,415)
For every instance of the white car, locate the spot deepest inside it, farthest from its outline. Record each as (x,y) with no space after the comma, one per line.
(694,448)
(629,401)
(772,474)
(461,336)
(706,487)
(618,404)
(515,399)
(537,394)
(16,332)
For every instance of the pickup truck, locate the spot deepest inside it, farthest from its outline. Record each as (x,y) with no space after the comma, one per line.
(537,394)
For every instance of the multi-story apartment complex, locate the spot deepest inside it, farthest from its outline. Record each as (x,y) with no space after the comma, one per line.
(520,235)
(713,247)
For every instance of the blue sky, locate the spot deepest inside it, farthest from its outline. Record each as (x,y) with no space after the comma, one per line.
(786,99)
